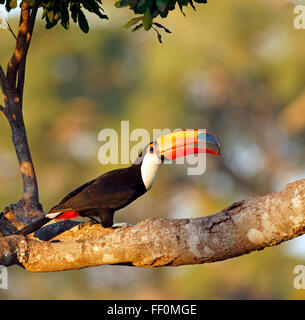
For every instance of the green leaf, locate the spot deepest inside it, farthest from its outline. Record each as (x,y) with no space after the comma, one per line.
(13,4)
(64,14)
(7,6)
(192,5)
(160,26)
(50,16)
(31,2)
(56,16)
(121,3)
(74,7)
(44,13)
(138,27)
(140,7)
(201,1)
(82,21)
(181,4)
(147,20)
(50,24)
(92,6)
(47,4)
(118,4)
(132,22)
(161,5)
(164,14)
(159,35)
(171,4)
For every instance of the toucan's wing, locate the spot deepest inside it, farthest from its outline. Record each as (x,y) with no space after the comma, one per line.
(75,192)
(111,190)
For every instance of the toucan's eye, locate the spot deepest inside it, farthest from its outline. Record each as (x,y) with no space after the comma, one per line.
(151,149)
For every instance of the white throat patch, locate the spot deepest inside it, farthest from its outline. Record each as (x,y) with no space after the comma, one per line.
(149,169)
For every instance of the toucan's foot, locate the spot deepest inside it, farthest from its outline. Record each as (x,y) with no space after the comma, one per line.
(95,220)
(121,225)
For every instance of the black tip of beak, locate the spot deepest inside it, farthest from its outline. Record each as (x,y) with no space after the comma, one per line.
(211,141)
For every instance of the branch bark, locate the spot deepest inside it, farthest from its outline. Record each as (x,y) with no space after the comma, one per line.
(243,227)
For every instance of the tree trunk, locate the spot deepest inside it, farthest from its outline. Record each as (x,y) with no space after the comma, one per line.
(16,216)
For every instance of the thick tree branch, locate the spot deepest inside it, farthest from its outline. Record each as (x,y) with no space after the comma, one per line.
(25,31)
(21,69)
(246,226)
(21,47)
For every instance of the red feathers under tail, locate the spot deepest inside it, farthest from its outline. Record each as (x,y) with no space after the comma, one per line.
(68,215)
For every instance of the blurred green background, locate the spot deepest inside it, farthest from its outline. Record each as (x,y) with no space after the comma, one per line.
(236,68)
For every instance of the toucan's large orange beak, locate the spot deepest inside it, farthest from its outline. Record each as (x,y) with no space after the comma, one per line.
(185,142)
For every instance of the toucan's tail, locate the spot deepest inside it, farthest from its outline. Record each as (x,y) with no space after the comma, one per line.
(41,221)
(63,215)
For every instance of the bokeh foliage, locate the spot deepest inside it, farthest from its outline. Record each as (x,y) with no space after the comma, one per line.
(235,68)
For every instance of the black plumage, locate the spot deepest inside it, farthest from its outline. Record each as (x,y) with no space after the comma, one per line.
(104,195)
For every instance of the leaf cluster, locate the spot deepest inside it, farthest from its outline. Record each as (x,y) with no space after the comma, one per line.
(62,11)
(151,9)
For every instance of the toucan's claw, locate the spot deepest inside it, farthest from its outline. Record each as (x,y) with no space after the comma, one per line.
(121,225)
(94,220)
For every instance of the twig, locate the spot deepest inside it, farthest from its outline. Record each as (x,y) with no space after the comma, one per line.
(10,29)
(3,81)
(21,68)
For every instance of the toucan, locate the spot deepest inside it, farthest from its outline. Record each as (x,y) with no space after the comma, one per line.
(114,190)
